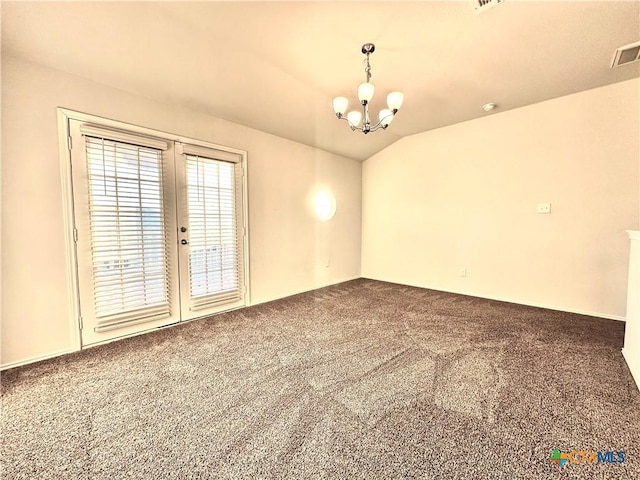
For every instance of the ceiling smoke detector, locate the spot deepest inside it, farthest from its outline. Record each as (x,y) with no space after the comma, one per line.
(481,5)
(626,54)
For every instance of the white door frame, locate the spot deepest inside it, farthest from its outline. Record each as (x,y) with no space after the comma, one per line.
(73,300)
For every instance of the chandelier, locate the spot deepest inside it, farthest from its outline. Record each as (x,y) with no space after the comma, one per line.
(365,94)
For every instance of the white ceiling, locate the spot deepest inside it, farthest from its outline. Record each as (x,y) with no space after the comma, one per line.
(276,66)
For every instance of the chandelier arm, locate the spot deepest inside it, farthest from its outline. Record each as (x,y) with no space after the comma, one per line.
(362,129)
(377,126)
(352,127)
(380,125)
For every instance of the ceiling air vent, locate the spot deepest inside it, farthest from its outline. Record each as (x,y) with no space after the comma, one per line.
(627,54)
(482,5)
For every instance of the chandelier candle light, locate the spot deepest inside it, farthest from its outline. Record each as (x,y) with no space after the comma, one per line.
(365,94)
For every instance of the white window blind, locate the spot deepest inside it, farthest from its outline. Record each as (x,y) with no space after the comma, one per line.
(128,232)
(214,270)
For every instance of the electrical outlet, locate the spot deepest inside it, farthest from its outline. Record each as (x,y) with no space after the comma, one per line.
(463,272)
(544,208)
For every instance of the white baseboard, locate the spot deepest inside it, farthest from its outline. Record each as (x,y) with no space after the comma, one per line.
(47,356)
(510,300)
(297,292)
(633,364)
(38,358)
(636,373)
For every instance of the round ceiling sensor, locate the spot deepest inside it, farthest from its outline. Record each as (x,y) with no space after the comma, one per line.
(487,107)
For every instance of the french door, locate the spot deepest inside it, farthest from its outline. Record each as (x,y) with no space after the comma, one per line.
(159,230)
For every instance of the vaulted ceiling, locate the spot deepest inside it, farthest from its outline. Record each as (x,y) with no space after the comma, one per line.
(276,66)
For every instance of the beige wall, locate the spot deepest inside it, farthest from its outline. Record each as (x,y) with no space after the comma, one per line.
(458,197)
(290,251)
(465,196)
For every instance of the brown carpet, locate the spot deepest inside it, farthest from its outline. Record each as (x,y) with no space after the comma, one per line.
(363,380)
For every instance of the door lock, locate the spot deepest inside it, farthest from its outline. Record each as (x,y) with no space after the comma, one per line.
(183,229)
(183,241)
